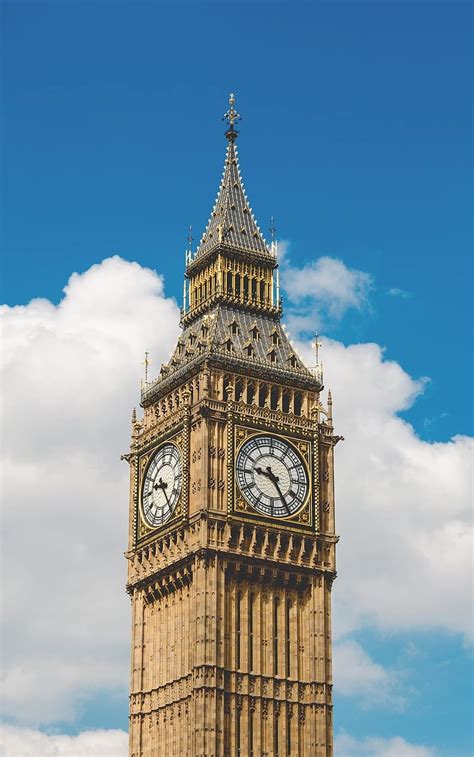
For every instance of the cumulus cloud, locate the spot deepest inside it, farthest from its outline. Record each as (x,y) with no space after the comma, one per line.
(356,674)
(347,746)
(403,505)
(23,742)
(322,290)
(70,376)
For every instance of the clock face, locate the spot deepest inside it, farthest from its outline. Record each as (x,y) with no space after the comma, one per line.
(272,476)
(162,485)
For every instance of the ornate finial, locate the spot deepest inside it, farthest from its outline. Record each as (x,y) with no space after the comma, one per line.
(190,238)
(231,116)
(146,363)
(316,344)
(134,416)
(272,228)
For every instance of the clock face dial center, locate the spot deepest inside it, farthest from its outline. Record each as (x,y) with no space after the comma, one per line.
(271,476)
(162,485)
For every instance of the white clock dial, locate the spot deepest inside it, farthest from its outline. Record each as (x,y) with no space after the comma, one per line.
(272,476)
(162,485)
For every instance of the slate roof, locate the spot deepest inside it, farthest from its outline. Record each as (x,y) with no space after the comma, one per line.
(243,339)
(232,222)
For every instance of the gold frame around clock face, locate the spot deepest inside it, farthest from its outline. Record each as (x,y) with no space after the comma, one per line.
(272,475)
(163,478)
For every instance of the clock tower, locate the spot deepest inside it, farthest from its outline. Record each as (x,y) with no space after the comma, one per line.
(231,554)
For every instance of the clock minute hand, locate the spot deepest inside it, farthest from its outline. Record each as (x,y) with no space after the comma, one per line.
(274,479)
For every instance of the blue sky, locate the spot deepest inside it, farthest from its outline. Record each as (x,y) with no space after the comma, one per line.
(356,135)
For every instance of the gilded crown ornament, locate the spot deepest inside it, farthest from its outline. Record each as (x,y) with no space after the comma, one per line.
(232,117)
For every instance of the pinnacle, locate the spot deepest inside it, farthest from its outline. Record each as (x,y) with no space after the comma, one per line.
(232,222)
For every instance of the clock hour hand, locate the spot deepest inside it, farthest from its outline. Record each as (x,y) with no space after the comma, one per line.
(267,473)
(163,486)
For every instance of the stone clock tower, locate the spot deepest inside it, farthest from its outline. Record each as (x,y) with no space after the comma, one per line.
(231,554)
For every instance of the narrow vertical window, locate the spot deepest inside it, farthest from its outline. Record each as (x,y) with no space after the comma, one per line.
(298,403)
(287,639)
(288,735)
(238,750)
(251,733)
(237,630)
(251,604)
(275,736)
(276,603)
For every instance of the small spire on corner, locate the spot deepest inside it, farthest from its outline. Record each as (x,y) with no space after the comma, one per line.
(274,243)
(189,248)
(232,117)
(146,363)
(329,405)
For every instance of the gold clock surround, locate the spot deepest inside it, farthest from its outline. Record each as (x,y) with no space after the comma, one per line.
(304,515)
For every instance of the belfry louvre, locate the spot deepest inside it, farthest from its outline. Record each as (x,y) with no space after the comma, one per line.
(231,553)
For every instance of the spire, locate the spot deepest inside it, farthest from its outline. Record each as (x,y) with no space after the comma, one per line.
(232,223)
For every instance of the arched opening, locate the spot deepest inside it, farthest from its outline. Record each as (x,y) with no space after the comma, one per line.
(237,285)
(262,395)
(229,283)
(298,402)
(239,388)
(250,392)
(285,404)
(274,398)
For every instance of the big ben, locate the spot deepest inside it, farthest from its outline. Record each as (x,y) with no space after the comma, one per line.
(231,554)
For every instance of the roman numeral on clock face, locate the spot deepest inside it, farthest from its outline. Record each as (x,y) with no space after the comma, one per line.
(272,476)
(162,485)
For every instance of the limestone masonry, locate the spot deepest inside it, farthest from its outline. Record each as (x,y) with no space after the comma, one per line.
(231,552)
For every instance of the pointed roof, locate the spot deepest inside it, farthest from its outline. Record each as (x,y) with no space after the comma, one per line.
(232,222)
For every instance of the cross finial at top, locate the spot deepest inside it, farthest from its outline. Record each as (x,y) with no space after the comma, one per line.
(231,116)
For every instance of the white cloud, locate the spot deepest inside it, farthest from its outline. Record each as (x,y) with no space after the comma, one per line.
(23,742)
(397,292)
(71,376)
(403,505)
(356,674)
(321,290)
(347,746)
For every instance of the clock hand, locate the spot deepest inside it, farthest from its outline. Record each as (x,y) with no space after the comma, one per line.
(267,473)
(275,479)
(271,475)
(163,486)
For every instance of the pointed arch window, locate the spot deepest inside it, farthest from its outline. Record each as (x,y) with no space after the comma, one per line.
(274,398)
(272,356)
(239,389)
(255,334)
(275,338)
(228,345)
(298,403)
(234,327)
(292,360)
(250,392)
